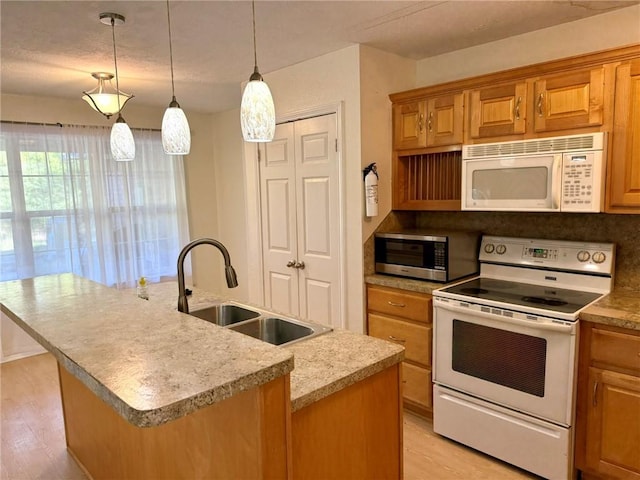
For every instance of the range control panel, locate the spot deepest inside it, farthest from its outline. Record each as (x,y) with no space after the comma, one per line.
(598,258)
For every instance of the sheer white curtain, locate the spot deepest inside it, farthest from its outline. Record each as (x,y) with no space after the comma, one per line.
(67,206)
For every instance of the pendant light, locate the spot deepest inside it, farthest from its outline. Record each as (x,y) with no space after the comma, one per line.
(104,97)
(123,147)
(257,113)
(176,136)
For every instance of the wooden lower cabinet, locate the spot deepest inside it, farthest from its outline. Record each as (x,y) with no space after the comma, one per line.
(608,419)
(405,317)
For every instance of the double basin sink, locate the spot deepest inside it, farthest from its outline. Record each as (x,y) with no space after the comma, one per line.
(259,324)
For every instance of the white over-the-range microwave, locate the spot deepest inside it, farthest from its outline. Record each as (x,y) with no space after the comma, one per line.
(543,175)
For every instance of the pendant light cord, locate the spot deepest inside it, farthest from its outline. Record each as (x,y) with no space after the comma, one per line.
(115,60)
(255,53)
(173,90)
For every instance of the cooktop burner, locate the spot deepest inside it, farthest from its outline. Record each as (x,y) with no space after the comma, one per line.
(524,294)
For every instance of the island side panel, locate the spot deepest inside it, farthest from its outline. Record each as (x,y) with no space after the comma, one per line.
(355,433)
(245,436)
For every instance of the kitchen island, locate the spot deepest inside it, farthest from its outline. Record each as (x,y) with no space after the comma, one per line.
(151,392)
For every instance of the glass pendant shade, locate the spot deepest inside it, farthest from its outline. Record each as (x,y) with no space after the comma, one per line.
(176,136)
(257,112)
(123,147)
(104,97)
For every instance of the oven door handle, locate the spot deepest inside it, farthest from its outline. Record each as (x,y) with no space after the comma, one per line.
(554,327)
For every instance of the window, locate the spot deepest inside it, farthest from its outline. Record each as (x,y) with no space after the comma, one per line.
(67,206)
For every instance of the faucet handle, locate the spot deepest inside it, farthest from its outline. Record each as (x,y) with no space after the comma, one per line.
(292,263)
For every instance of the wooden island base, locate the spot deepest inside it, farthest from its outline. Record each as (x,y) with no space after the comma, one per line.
(354,433)
(245,436)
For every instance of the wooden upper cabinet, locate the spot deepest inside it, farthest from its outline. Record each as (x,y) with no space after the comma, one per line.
(409,129)
(431,122)
(569,100)
(498,111)
(623,181)
(444,120)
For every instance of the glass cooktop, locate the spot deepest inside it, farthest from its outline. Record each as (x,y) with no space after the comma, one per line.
(525,294)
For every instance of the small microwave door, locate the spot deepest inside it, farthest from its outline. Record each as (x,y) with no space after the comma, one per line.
(512,183)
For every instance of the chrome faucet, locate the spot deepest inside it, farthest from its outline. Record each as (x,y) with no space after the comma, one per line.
(230,273)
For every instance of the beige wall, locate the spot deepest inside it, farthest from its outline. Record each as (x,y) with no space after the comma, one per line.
(615,29)
(381,73)
(326,81)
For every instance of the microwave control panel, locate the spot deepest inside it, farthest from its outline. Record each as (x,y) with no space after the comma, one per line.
(582,187)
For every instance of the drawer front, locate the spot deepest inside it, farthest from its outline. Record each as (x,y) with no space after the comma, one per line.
(417,385)
(615,349)
(400,303)
(415,338)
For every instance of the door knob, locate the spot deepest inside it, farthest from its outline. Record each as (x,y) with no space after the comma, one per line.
(299,265)
(291,263)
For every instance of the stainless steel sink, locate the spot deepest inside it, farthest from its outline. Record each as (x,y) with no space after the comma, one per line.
(279,331)
(225,314)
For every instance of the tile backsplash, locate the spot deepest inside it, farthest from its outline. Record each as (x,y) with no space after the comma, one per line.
(623,230)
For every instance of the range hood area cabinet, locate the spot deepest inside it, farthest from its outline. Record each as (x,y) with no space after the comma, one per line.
(598,92)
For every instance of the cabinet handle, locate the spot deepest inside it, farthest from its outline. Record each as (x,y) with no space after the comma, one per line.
(594,401)
(517,111)
(299,265)
(430,121)
(540,97)
(394,304)
(421,122)
(395,339)
(291,263)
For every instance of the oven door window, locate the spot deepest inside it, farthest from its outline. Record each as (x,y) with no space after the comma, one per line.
(498,356)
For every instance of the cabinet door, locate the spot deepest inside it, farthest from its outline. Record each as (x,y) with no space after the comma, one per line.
(613,424)
(444,120)
(498,111)
(569,100)
(409,129)
(624,161)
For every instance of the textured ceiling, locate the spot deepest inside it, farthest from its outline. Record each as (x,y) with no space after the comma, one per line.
(51,47)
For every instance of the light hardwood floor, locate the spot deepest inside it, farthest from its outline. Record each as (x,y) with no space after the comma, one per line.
(32,443)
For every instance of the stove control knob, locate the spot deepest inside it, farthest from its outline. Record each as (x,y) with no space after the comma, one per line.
(583,255)
(489,248)
(599,257)
(500,249)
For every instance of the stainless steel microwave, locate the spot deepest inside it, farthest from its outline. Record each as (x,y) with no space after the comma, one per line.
(434,256)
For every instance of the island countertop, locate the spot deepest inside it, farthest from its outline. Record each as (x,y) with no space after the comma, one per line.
(153,364)
(323,364)
(150,363)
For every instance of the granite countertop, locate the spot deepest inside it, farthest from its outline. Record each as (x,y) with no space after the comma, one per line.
(621,308)
(176,363)
(413,285)
(323,365)
(151,363)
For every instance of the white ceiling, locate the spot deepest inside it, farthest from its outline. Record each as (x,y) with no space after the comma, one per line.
(51,47)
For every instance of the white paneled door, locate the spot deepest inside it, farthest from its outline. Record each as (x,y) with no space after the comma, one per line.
(300,207)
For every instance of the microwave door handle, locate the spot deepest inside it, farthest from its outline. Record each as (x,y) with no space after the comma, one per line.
(554,327)
(556,182)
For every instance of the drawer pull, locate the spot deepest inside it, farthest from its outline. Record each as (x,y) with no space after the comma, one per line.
(394,304)
(594,401)
(396,339)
